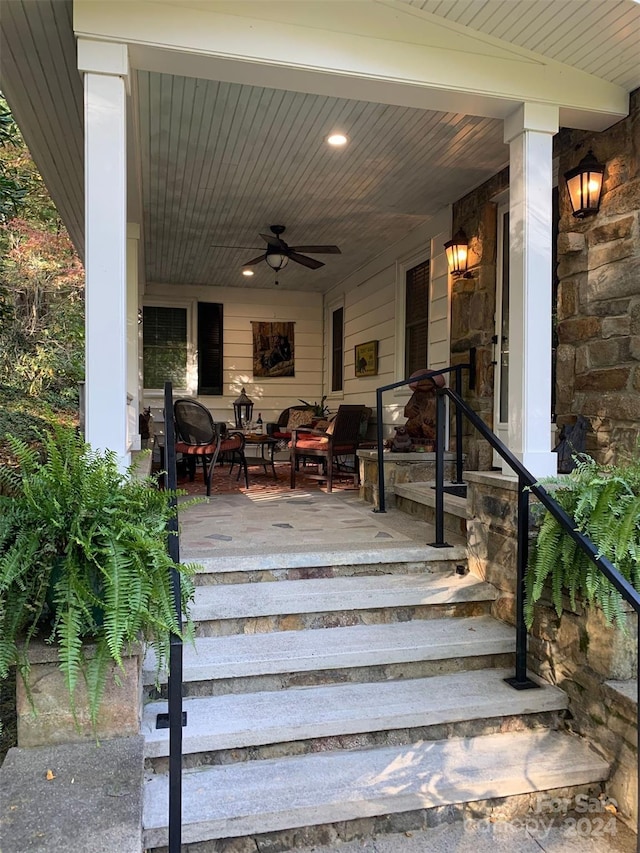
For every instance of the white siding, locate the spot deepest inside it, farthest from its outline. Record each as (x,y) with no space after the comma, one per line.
(370,314)
(241,307)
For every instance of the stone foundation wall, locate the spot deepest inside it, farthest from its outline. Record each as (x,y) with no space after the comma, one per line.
(398,468)
(577,651)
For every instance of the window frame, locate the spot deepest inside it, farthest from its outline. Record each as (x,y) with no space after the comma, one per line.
(330,308)
(188,305)
(333,349)
(402,268)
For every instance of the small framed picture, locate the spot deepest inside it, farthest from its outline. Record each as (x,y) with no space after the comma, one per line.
(366,359)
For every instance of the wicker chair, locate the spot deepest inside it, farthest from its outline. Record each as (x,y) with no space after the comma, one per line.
(341,439)
(198,437)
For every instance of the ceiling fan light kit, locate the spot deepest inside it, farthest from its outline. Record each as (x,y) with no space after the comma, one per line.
(279,253)
(276,260)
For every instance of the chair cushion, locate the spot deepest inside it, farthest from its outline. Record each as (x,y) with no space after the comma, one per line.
(312,441)
(281,435)
(298,418)
(195,449)
(233,443)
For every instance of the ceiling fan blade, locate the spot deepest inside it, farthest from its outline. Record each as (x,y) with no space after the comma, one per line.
(273,239)
(305,261)
(255,260)
(317,250)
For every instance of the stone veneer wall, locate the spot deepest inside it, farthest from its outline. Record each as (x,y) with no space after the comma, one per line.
(591,661)
(598,373)
(473,308)
(598,306)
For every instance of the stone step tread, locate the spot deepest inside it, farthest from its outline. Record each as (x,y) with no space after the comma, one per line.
(265,796)
(321,595)
(384,553)
(423,493)
(242,655)
(234,721)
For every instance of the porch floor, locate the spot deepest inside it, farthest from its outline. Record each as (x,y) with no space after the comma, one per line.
(271,518)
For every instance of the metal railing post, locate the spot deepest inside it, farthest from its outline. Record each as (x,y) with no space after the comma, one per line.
(441,432)
(459,427)
(381,499)
(520,680)
(175,642)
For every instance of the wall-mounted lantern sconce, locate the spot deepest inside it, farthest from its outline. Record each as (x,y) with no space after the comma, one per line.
(585,186)
(457,255)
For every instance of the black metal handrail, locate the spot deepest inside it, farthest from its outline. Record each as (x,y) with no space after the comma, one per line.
(175,642)
(456,369)
(527,484)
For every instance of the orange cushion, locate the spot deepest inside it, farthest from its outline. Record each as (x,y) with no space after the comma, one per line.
(233,443)
(195,449)
(312,441)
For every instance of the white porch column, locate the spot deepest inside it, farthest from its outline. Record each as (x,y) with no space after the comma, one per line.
(529,132)
(133,331)
(106,69)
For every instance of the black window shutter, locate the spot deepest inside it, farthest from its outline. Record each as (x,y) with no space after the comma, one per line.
(337,349)
(417,318)
(209,348)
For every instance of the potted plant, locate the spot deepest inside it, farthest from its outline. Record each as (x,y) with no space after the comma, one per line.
(83,565)
(605,503)
(320,410)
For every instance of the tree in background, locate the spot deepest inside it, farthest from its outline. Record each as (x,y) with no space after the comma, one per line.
(41,296)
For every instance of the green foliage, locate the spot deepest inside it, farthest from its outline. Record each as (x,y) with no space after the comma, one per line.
(605,503)
(320,410)
(83,557)
(41,297)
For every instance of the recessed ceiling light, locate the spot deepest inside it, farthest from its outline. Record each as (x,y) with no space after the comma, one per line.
(337,139)
(247,272)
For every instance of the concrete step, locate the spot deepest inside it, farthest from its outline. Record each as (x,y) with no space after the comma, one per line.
(245,662)
(311,790)
(283,716)
(419,500)
(327,564)
(335,602)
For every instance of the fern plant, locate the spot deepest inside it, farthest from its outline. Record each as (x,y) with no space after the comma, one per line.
(83,558)
(605,503)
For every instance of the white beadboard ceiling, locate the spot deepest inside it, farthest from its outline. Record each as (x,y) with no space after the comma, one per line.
(221,162)
(601,37)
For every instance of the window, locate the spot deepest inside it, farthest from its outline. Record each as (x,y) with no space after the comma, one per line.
(416,318)
(164,346)
(209,348)
(337,348)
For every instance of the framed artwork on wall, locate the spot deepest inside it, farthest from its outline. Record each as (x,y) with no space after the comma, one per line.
(366,359)
(273,349)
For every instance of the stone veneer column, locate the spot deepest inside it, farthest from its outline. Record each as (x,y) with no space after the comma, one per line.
(106,69)
(529,132)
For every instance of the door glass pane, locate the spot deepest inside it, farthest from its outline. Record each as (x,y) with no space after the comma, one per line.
(504,326)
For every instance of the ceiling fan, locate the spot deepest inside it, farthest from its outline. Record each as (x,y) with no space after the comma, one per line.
(278,253)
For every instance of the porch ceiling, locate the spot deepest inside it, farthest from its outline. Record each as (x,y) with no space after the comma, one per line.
(229,160)
(222,161)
